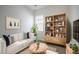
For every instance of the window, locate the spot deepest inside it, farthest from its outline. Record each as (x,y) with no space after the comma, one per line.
(39,21)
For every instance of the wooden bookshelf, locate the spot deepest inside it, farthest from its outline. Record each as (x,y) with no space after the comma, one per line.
(56,29)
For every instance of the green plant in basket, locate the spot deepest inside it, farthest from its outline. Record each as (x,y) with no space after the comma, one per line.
(74,47)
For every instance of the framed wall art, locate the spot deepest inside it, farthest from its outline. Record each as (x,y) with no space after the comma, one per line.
(12,23)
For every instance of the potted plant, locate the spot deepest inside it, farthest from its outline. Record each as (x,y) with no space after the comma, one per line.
(74,47)
(34,30)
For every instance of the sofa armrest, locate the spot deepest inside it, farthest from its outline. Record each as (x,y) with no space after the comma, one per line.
(2,46)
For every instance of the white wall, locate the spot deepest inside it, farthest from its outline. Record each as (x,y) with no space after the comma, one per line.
(48,11)
(21,12)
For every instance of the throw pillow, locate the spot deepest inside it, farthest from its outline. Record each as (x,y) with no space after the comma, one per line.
(26,35)
(6,38)
(11,38)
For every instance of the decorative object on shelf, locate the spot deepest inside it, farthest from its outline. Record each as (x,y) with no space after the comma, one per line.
(57,35)
(48,25)
(63,23)
(49,19)
(56,20)
(12,23)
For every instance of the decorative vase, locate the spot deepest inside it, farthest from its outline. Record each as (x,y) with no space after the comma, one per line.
(37,43)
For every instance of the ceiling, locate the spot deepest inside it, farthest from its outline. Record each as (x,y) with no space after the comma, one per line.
(36,7)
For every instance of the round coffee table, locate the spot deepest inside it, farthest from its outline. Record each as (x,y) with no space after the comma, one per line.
(36,48)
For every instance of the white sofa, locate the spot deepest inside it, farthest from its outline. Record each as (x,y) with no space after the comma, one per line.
(19,44)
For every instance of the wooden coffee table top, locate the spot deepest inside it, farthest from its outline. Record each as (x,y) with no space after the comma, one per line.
(42,48)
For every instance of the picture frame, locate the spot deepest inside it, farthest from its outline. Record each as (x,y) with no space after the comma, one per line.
(13,23)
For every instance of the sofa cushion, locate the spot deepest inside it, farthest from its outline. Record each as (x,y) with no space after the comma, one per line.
(15,37)
(31,35)
(18,45)
(18,37)
(13,47)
